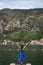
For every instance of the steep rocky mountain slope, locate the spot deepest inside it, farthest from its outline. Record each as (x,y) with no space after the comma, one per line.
(12,19)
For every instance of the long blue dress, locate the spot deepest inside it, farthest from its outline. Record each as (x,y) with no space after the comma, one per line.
(21,58)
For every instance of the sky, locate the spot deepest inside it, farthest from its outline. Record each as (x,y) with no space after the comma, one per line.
(21,4)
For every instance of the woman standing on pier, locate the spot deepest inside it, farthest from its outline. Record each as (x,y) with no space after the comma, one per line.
(21,57)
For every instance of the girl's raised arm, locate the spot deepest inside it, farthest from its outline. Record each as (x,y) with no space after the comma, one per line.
(26,44)
(17,43)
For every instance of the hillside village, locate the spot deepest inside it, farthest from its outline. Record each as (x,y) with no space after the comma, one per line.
(33,42)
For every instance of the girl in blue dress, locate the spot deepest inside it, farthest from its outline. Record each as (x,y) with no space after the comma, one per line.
(21,57)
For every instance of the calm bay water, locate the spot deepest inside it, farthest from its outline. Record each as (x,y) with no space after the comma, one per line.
(10,53)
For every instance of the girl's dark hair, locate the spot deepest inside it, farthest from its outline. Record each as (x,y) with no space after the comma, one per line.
(22,47)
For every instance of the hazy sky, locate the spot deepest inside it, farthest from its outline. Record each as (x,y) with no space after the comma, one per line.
(21,4)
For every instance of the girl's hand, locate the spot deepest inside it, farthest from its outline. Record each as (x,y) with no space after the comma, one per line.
(17,43)
(27,43)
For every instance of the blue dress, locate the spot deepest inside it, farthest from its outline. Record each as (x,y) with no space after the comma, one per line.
(21,58)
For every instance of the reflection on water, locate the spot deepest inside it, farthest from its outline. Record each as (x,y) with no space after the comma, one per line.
(33,54)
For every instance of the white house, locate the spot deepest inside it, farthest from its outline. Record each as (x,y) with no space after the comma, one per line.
(34,42)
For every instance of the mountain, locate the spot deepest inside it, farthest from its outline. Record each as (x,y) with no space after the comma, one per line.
(20,19)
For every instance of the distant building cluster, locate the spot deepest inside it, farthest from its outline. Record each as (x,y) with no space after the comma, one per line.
(6,42)
(33,42)
(37,42)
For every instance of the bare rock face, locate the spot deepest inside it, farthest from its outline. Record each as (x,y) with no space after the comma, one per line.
(31,20)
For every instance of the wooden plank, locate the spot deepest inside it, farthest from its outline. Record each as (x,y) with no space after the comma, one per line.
(19,64)
(28,64)
(12,63)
